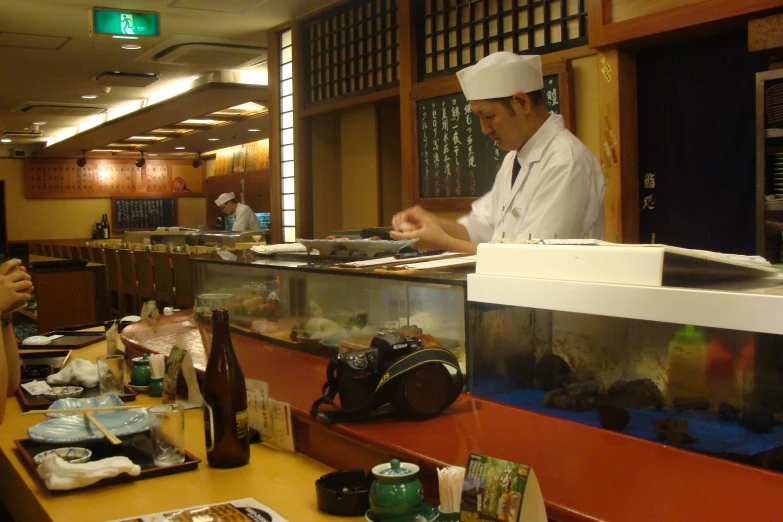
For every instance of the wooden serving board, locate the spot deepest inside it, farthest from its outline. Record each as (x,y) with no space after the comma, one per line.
(39,402)
(101,450)
(70,340)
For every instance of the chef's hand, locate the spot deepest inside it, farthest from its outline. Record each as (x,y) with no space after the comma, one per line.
(417,223)
(15,285)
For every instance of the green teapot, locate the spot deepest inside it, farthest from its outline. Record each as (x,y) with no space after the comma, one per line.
(140,376)
(396,494)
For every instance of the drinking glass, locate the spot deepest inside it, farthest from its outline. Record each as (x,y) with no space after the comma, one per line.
(167,433)
(111,373)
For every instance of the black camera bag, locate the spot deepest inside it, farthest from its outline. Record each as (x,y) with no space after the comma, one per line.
(389,395)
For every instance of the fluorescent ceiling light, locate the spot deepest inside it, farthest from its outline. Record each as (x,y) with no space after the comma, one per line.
(213,139)
(147,138)
(253,130)
(104,150)
(201,122)
(89,96)
(260,77)
(131,47)
(122,110)
(171,90)
(92,121)
(5,140)
(179,148)
(247,107)
(39,123)
(152,155)
(119,37)
(165,131)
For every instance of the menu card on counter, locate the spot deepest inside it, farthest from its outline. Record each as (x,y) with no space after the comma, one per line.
(245,509)
(496,489)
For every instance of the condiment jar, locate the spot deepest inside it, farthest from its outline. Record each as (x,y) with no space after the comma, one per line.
(396,493)
(140,376)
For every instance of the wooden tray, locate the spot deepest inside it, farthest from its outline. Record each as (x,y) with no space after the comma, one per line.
(72,340)
(39,402)
(101,450)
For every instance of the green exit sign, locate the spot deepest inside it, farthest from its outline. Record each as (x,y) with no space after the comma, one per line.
(117,22)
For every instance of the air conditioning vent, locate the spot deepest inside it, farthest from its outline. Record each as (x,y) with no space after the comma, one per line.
(20,153)
(60,109)
(206,52)
(125,79)
(26,133)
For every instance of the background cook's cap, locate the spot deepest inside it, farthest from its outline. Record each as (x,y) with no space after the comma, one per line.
(224,198)
(500,75)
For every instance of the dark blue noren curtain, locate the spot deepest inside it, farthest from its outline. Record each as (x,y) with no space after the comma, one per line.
(697,136)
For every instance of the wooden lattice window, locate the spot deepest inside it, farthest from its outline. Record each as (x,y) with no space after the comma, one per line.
(352,48)
(456,33)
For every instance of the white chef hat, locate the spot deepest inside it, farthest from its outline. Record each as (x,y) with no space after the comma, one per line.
(224,198)
(500,75)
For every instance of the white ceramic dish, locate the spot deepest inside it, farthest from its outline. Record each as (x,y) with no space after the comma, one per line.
(66,428)
(63,392)
(369,247)
(71,455)
(36,340)
(139,389)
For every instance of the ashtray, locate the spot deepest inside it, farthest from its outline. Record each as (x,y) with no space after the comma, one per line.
(345,492)
(72,455)
(63,392)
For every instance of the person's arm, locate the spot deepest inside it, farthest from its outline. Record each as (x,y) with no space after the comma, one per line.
(3,382)
(12,362)
(431,231)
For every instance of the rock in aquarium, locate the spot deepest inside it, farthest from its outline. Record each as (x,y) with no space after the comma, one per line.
(675,430)
(728,412)
(552,371)
(641,393)
(758,419)
(613,417)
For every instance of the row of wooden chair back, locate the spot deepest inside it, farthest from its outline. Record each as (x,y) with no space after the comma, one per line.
(134,277)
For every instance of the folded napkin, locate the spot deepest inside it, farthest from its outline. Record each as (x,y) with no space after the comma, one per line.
(79,372)
(278,249)
(59,474)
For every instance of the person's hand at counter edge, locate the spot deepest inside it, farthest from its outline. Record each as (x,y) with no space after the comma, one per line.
(431,231)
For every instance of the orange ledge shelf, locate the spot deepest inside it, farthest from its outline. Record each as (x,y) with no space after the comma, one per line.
(586,473)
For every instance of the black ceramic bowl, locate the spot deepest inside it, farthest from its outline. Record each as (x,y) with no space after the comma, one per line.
(345,492)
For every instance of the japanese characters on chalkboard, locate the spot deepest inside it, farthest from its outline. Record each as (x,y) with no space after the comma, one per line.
(456,161)
(143,213)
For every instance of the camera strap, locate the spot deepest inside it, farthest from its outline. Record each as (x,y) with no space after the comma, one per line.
(372,409)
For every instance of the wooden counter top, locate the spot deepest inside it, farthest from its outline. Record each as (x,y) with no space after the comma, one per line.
(284,481)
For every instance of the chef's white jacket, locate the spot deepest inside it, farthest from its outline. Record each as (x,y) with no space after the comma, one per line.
(559,191)
(245,219)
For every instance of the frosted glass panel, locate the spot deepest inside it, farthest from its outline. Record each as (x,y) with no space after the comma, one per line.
(286,71)
(287,137)
(289,234)
(289,218)
(287,120)
(286,55)
(288,185)
(288,153)
(286,87)
(287,104)
(288,169)
(285,38)
(289,202)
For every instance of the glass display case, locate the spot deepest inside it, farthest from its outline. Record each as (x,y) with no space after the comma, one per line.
(299,302)
(698,369)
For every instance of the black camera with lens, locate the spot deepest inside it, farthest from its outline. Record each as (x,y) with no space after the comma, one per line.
(395,374)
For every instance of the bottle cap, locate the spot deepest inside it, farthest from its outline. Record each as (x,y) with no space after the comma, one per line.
(689,334)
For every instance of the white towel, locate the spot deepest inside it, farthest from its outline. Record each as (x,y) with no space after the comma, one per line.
(79,372)
(287,248)
(59,474)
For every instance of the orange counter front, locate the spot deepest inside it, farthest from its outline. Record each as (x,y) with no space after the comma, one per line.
(585,473)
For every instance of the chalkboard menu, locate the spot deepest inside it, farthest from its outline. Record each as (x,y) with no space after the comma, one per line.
(456,160)
(143,213)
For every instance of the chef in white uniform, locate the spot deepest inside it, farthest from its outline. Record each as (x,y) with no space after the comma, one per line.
(245,219)
(549,184)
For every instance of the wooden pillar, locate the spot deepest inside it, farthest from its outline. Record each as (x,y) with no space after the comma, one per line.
(618,133)
(408,76)
(273,71)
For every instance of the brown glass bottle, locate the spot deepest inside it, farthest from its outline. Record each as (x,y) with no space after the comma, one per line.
(225,401)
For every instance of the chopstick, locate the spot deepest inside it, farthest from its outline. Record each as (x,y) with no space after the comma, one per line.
(111,437)
(83,410)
